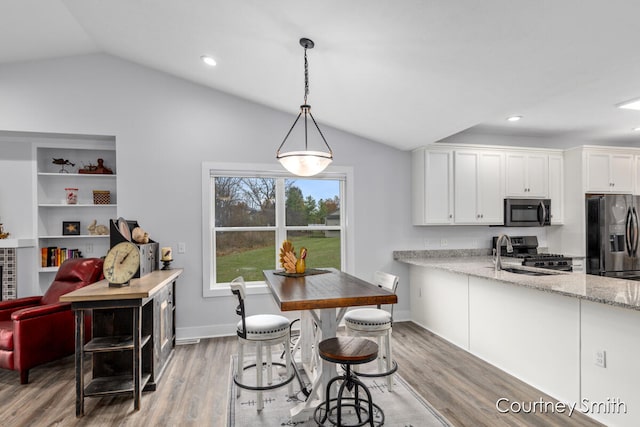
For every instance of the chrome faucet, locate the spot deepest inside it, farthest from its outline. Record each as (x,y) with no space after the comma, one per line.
(496,251)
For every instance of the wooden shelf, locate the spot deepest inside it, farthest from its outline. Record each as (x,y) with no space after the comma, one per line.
(113,385)
(146,308)
(115,343)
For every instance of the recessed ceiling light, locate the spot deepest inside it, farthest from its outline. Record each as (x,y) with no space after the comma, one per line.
(634,104)
(636,129)
(208,60)
(514,118)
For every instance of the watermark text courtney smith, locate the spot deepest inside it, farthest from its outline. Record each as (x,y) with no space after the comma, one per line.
(612,405)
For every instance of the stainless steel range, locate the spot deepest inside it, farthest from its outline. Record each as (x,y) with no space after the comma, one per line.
(526,248)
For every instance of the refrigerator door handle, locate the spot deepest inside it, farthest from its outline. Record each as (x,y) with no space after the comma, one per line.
(634,240)
(627,232)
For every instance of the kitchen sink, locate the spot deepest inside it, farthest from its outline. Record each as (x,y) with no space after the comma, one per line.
(527,272)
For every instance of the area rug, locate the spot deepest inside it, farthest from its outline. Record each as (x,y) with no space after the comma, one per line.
(402,407)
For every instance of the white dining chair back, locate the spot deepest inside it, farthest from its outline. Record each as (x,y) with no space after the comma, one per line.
(376,323)
(263,331)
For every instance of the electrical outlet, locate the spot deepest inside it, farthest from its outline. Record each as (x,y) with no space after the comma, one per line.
(89,248)
(601,358)
(443,242)
(181,247)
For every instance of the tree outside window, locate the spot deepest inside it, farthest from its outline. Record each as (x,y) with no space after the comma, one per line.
(253,215)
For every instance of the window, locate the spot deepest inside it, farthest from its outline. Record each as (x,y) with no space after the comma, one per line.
(249,212)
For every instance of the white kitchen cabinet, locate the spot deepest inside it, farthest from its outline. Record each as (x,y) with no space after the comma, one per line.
(556,188)
(636,175)
(526,174)
(478,187)
(608,172)
(432,191)
(53,210)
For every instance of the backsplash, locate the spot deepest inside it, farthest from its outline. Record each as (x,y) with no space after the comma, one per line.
(9,276)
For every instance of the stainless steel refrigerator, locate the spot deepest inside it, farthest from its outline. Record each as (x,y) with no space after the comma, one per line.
(612,235)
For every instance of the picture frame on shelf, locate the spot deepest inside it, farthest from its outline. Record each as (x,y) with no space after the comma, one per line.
(70,228)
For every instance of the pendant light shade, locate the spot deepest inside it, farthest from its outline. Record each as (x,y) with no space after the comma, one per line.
(305,162)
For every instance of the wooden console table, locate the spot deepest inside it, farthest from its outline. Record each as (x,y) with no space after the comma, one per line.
(133,335)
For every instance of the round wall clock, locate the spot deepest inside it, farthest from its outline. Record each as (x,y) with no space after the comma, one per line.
(121,263)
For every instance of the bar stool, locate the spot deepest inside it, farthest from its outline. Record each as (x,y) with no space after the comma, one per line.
(347,351)
(376,323)
(263,330)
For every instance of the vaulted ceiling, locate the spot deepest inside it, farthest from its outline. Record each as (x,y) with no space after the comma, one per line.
(404,73)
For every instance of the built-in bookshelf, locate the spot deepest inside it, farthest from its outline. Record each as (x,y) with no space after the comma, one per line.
(62,227)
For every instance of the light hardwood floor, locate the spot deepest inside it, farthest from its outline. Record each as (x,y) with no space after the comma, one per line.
(193,390)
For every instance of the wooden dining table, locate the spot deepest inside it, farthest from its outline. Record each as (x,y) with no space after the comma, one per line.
(322,300)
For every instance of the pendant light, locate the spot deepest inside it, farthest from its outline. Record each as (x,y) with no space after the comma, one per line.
(305,162)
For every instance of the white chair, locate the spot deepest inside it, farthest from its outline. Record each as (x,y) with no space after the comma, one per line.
(263,330)
(376,323)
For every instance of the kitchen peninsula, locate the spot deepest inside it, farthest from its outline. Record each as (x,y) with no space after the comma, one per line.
(545,330)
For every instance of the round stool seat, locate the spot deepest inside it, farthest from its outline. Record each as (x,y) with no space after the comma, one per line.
(348,350)
(265,326)
(368,319)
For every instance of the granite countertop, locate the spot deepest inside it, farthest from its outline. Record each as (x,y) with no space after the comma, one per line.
(478,263)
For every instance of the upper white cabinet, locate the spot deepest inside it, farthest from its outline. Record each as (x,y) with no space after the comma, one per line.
(432,187)
(478,187)
(556,188)
(636,190)
(526,174)
(608,172)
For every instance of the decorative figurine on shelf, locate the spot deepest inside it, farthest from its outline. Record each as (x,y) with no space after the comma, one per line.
(166,258)
(93,169)
(62,162)
(72,195)
(3,234)
(139,235)
(96,229)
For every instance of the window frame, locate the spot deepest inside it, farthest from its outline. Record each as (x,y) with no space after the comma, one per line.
(211,169)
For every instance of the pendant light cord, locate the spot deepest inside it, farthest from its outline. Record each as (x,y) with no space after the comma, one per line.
(306,76)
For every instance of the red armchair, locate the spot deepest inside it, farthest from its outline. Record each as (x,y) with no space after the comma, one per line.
(37,330)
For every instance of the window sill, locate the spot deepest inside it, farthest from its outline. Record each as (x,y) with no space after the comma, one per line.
(253,288)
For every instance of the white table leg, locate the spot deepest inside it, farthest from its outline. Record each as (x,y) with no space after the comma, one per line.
(328,325)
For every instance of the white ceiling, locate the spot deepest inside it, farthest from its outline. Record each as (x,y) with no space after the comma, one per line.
(404,73)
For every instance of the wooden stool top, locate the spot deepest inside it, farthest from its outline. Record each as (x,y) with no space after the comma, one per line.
(349,350)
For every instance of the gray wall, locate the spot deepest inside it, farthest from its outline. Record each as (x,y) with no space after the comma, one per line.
(165,128)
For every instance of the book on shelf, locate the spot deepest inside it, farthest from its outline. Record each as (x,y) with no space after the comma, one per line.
(53,256)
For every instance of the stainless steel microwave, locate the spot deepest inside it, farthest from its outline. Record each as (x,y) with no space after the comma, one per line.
(527,212)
